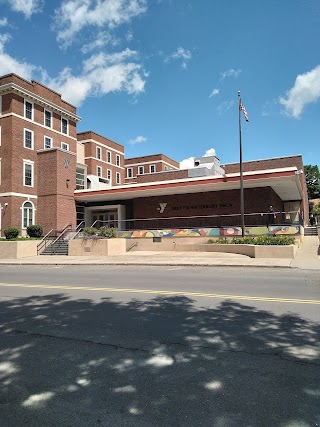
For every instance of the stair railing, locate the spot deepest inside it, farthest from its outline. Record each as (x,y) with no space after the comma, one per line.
(57,242)
(78,230)
(44,242)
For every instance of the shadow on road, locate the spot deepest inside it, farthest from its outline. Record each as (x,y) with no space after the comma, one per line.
(161,362)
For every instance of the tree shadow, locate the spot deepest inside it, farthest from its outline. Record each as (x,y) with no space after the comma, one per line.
(160,362)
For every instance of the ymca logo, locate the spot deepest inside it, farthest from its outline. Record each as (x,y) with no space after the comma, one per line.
(162,207)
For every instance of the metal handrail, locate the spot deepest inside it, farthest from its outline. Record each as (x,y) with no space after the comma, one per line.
(62,233)
(78,230)
(43,240)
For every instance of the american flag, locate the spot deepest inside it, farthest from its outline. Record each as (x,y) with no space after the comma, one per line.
(244,111)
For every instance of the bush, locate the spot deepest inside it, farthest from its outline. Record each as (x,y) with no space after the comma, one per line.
(35,230)
(221,241)
(11,233)
(110,233)
(274,240)
(89,231)
(243,240)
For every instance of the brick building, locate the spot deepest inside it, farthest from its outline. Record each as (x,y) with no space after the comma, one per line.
(53,176)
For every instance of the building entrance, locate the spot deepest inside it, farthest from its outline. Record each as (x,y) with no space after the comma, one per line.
(106,218)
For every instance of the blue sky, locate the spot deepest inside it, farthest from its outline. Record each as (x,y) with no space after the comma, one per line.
(161,76)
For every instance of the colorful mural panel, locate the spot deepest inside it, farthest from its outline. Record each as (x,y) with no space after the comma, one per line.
(211,232)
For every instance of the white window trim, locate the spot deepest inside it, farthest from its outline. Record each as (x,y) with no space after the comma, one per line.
(30,163)
(131,169)
(109,153)
(33,214)
(25,109)
(44,142)
(109,171)
(99,168)
(118,178)
(139,170)
(67,126)
(51,120)
(150,166)
(32,139)
(98,150)
(118,160)
(66,144)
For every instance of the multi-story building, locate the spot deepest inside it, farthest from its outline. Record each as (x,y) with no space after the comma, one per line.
(147,166)
(52,176)
(38,146)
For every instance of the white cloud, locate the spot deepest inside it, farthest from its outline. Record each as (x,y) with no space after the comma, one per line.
(74,16)
(138,140)
(103,39)
(3,22)
(230,73)
(27,7)
(180,53)
(10,65)
(225,106)
(306,90)
(214,93)
(189,162)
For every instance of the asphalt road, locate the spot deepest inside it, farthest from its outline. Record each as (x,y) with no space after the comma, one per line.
(151,346)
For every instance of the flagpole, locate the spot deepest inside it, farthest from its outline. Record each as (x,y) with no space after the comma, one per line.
(241,170)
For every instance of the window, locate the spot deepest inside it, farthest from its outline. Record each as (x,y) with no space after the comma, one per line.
(65,146)
(28,214)
(141,170)
(117,160)
(28,139)
(118,178)
(99,171)
(80,174)
(129,173)
(28,110)
(152,168)
(28,174)
(98,153)
(166,168)
(64,126)
(47,118)
(109,174)
(47,142)
(109,157)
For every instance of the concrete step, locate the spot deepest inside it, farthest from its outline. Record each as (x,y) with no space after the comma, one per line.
(310,231)
(58,248)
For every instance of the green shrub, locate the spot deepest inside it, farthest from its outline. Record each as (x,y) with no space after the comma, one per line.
(274,240)
(11,233)
(243,240)
(89,231)
(35,230)
(110,233)
(219,241)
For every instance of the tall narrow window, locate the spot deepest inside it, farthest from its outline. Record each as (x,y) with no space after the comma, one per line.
(109,157)
(28,214)
(98,153)
(109,174)
(141,170)
(65,146)
(28,174)
(152,168)
(28,139)
(47,118)
(28,110)
(47,142)
(64,126)
(129,173)
(99,171)
(117,160)
(118,178)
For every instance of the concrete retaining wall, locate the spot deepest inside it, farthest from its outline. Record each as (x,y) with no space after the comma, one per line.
(18,249)
(97,247)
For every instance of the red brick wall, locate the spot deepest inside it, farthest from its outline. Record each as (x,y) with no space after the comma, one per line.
(162,176)
(256,200)
(56,205)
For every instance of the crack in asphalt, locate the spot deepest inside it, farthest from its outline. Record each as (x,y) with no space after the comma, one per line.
(275,353)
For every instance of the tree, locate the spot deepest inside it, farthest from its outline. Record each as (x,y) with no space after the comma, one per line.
(312,175)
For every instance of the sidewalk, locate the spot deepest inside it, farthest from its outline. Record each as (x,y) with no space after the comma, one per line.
(307,258)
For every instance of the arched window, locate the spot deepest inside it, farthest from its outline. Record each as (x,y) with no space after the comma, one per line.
(28,214)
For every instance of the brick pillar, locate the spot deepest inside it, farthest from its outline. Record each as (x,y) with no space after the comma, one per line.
(56,185)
